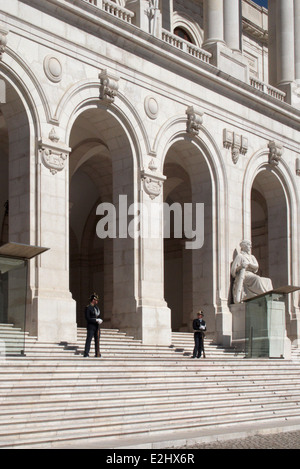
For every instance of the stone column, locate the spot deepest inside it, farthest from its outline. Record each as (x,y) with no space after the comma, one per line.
(154,314)
(213,22)
(232,21)
(285,42)
(147,15)
(53,310)
(297,39)
(141,11)
(224,56)
(272,46)
(167,15)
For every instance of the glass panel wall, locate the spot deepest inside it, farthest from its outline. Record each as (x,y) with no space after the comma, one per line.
(265,326)
(13,288)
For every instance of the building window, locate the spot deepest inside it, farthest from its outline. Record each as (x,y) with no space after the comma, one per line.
(183,34)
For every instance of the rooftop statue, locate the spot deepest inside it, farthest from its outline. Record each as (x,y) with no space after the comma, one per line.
(247,283)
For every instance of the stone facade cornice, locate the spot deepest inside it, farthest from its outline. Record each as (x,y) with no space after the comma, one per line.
(168,56)
(255,31)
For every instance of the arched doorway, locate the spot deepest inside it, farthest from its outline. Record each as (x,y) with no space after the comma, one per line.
(269,227)
(15,200)
(14,169)
(101,169)
(189,272)
(4,203)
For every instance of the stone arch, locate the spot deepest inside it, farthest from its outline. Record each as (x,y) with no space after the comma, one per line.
(85,95)
(206,153)
(187,23)
(18,128)
(32,95)
(282,184)
(175,130)
(102,167)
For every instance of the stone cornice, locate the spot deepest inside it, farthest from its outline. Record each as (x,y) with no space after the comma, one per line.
(255,31)
(94,20)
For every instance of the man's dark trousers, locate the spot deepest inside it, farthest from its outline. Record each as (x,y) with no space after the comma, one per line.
(92,331)
(198,337)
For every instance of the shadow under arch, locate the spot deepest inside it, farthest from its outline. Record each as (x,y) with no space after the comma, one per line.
(276,185)
(191,159)
(175,130)
(258,163)
(102,167)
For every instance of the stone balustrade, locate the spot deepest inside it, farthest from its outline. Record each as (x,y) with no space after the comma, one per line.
(268,89)
(185,46)
(181,44)
(113,9)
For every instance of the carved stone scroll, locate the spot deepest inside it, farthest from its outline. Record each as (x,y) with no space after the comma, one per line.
(109,85)
(275,152)
(195,120)
(3,40)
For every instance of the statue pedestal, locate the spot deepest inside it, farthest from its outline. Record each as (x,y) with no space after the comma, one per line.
(259,325)
(238,326)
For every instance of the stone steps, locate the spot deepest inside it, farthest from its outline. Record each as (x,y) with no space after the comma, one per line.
(53,397)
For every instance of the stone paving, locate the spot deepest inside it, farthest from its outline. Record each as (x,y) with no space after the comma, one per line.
(289,440)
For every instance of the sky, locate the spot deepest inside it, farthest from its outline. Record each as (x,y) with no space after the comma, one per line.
(262,3)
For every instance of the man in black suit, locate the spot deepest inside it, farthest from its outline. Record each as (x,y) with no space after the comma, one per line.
(199,327)
(92,315)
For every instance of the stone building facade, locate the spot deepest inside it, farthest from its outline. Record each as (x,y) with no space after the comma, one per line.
(168,101)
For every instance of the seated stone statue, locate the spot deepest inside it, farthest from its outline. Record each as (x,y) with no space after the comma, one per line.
(247,283)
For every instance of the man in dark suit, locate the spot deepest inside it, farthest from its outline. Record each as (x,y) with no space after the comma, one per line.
(92,315)
(199,327)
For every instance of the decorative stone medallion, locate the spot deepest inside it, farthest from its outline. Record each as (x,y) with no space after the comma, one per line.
(152,181)
(53,69)
(151,107)
(54,154)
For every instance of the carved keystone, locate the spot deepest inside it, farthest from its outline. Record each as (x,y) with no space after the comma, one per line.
(109,85)
(195,120)
(3,40)
(275,152)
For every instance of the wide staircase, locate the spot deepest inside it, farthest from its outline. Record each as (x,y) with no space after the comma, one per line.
(138,396)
